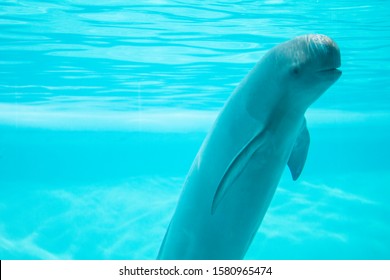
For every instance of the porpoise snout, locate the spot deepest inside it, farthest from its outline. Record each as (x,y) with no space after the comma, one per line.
(326,50)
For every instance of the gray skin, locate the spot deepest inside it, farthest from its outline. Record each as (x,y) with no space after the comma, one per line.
(260,130)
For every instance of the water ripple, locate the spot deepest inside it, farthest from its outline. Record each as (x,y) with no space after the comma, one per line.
(173,50)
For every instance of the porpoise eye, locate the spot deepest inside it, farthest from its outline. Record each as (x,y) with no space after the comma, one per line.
(295,70)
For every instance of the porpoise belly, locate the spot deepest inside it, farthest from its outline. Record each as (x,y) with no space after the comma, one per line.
(197,233)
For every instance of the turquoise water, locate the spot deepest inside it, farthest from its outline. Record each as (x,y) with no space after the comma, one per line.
(104,105)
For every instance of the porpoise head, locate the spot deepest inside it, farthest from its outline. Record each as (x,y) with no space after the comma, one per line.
(309,67)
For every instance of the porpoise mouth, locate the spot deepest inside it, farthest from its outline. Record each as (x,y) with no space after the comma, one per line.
(329,74)
(330,70)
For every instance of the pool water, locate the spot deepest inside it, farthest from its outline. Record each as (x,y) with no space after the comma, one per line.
(104,105)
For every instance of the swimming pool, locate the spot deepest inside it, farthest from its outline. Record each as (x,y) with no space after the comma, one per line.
(103,107)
